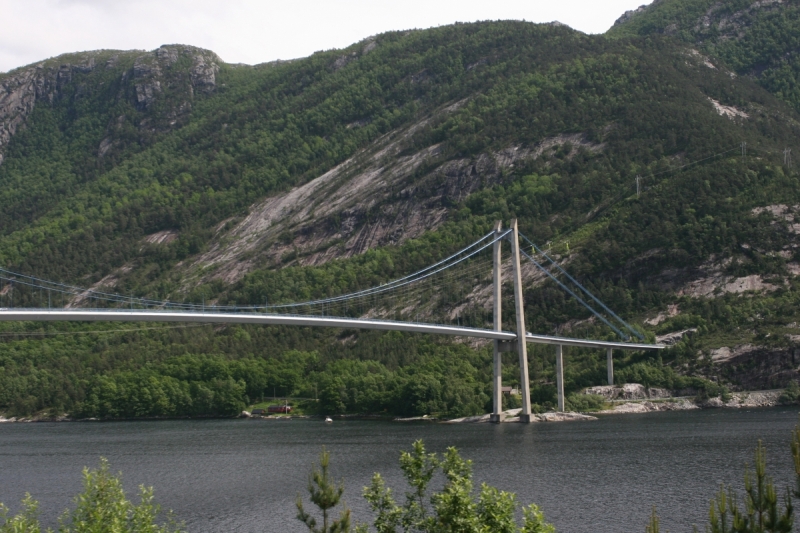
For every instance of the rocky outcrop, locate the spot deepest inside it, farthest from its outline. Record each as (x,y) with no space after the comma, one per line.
(727,24)
(719,20)
(628,15)
(745,399)
(649,407)
(735,401)
(372,199)
(378,197)
(628,391)
(750,367)
(670,339)
(21,89)
(151,75)
(512,415)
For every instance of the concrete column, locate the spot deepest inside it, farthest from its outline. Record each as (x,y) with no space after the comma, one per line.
(497,391)
(610,360)
(522,344)
(560,376)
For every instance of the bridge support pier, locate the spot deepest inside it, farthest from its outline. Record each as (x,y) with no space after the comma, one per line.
(497,382)
(610,360)
(522,344)
(560,376)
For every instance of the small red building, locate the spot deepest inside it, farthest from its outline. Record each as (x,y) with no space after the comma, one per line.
(279,409)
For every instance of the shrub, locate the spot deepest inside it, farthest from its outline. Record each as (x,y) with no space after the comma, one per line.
(584,402)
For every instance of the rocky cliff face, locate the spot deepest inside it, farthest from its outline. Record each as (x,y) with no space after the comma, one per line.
(22,89)
(144,79)
(749,367)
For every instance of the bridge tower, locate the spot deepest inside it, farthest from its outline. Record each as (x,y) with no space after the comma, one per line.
(521,344)
(497,278)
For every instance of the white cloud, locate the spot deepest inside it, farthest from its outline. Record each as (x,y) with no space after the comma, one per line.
(255,31)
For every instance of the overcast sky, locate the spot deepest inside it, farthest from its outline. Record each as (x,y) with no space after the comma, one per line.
(255,31)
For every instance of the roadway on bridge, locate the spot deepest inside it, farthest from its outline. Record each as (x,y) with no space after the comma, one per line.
(268,319)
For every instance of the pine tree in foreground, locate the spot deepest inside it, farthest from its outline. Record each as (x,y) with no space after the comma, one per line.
(325,495)
(652,527)
(762,511)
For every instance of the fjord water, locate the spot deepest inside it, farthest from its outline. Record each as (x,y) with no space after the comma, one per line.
(243,475)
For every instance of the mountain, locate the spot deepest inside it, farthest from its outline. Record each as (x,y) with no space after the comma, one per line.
(760,40)
(172,175)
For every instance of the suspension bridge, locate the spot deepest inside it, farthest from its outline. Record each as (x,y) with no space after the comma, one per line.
(363,310)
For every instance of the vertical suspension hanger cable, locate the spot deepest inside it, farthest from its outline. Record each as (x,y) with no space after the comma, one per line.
(584,289)
(587,306)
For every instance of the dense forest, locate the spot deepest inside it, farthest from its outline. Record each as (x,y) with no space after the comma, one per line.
(141,174)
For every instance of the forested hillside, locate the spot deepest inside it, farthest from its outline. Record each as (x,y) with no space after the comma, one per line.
(172,175)
(760,40)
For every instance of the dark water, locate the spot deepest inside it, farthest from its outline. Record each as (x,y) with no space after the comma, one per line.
(243,475)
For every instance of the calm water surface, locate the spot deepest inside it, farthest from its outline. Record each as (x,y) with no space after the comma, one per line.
(243,475)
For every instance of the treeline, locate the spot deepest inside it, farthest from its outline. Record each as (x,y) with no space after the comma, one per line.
(109,376)
(206,371)
(444,384)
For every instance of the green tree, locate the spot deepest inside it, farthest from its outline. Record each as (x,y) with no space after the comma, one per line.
(452,509)
(103,508)
(761,511)
(325,494)
(653,526)
(25,522)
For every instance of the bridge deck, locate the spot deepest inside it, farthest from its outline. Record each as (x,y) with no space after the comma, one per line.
(84,315)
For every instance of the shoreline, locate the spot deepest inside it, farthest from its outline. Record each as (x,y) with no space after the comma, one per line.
(737,400)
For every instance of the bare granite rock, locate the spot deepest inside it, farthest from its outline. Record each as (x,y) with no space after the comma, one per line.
(745,399)
(512,415)
(45,82)
(628,391)
(649,407)
(675,337)
(737,400)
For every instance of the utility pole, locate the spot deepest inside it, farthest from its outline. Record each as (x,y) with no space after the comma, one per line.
(638,178)
(787,157)
(744,151)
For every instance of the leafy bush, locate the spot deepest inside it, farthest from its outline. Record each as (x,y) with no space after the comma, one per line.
(454,507)
(102,507)
(791,393)
(584,402)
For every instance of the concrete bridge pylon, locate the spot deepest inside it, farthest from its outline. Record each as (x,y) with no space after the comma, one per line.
(519,344)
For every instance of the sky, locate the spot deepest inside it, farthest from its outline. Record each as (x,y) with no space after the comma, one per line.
(256,31)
